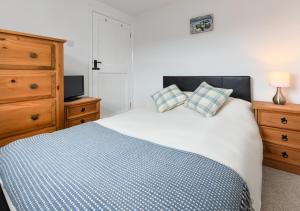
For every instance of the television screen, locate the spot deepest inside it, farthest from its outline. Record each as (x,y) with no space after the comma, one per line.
(74,86)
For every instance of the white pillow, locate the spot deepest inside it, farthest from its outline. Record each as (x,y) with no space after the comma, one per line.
(207,100)
(168,98)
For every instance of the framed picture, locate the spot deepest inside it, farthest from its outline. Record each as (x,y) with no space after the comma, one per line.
(202,24)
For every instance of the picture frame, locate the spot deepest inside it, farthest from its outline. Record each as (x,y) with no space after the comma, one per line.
(202,24)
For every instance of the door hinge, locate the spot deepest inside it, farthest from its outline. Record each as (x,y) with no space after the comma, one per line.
(130,35)
(130,105)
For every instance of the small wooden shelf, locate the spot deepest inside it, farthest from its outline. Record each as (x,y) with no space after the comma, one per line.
(280,130)
(80,111)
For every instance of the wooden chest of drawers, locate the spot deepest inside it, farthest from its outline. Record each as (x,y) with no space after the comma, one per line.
(31,85)
(80,111)
(280,131)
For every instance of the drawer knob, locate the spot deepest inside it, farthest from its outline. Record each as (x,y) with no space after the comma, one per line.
(35,117)
(82,121)
(284,138)
(33,55)
(13,81)
(34,86)
(83,110)
(285,154)
(284,120)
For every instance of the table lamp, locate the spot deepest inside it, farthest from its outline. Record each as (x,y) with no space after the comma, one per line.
(279,80)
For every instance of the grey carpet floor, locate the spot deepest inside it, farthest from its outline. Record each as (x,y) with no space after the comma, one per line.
(281,190)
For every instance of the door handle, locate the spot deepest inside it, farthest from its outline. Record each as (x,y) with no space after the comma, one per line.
(96,62)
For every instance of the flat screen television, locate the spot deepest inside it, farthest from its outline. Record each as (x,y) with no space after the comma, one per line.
(74,87)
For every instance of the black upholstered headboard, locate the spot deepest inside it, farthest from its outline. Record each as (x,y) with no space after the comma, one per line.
(241,85)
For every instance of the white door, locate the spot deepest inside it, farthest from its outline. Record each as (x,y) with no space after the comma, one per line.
(112,54)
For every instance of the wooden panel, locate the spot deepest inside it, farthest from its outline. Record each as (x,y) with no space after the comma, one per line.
(18,52)
(16,118)
(282,137)
(5,31)
(279,120)
(59,86)
(282,154)
(73,112)
(269,106)
(19,87)
(82,101)
(83,119)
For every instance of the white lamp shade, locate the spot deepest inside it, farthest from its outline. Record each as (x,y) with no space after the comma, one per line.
(279,79)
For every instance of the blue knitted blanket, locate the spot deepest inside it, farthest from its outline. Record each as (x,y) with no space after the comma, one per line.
(90,167)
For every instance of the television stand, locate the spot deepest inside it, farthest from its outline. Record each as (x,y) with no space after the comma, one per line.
(82,110)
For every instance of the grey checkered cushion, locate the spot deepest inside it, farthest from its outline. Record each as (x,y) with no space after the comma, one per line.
(168,98)
(207,100)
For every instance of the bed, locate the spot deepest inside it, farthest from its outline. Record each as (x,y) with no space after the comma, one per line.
(175,160)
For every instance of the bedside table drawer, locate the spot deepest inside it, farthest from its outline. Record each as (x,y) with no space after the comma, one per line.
(73,112)
(84,119)
(279,120)
(276,152)
(280,136)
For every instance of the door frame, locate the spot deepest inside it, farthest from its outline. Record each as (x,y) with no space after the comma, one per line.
(130,71)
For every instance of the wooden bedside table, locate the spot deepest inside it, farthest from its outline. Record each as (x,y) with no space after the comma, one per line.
(80,111)
(280,130)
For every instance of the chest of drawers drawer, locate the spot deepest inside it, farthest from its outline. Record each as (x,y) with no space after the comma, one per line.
(23,53)
(17,87)
(279,120)
(25,116)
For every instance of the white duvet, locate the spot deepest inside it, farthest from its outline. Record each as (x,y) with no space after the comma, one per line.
(231,137)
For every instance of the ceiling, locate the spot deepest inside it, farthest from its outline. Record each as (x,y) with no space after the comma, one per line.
(135,7)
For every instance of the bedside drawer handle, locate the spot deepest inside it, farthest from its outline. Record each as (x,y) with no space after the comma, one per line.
(284,120)
(34,86)
(33,55)
(82,121)
(284,138)
(35,117)
(285,154)
(83,110)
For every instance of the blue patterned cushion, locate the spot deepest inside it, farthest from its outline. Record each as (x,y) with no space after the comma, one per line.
(168,98)
(207,100)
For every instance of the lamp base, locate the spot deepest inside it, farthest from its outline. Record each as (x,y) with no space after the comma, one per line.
(279,99)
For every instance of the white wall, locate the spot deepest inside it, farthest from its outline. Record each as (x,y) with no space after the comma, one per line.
(67,19)
(250,38)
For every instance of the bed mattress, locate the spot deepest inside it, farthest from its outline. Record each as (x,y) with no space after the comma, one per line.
(230,138)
